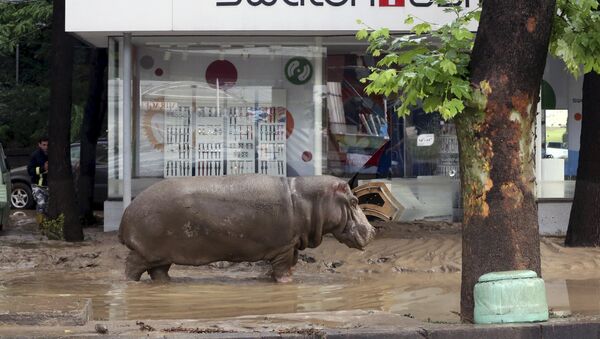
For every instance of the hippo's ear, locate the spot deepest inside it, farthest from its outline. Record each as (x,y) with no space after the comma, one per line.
(341,187)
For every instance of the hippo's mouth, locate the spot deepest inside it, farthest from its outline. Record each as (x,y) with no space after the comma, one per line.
(357,232)
(357,235)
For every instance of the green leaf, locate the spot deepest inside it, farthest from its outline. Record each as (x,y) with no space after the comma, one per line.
(432,104)
(462,34)
(362,34)
(421,28)
(448,66)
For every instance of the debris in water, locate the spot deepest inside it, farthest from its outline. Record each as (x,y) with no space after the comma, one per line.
(181,329)
(144,327)
(334,264)
(303,331)
(307,258)
(101,328)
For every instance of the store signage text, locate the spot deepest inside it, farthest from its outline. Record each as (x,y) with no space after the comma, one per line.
(339,3)
(425,140)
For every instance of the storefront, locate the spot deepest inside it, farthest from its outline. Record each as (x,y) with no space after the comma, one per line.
(225,87)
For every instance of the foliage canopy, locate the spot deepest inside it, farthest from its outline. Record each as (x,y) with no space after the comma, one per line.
(576,35)
(24,105)
(428,67)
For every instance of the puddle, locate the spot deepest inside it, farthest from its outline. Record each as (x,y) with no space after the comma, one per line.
(580,297)
(424,296)
(427,297)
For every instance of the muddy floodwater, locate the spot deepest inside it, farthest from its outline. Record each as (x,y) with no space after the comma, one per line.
(411,269)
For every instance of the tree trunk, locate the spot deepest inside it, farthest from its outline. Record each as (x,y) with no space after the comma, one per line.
(60,177)
(584,223)
(500,227)
(93,117)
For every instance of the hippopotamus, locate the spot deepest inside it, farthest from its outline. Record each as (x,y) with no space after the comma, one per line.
(246,218)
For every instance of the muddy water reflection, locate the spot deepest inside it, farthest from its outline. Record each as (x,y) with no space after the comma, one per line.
(425,296)
(577,296)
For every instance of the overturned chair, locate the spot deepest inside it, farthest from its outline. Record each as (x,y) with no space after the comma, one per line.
(376,201)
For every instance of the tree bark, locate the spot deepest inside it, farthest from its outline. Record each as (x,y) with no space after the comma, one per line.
(95,110)
(584,222)
(500,227)
(60,177)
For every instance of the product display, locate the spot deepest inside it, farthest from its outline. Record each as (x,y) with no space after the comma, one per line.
(225,141)
(448,161)
(241,129)
(178,149)
(272,142)
(210,141)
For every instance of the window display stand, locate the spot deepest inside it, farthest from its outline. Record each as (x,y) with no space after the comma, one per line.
(209,143)
(448,162)
(272,144)
(231,141)
(241,132)
(178,150)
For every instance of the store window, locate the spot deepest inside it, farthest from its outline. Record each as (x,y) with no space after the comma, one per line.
(358,124)
(208,107)
(419,153)
(559,131)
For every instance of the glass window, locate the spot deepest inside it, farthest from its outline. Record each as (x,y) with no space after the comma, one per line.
(558,132)
(226,108)
(358,123)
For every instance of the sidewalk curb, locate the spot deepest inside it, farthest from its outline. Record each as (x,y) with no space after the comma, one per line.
(558,329)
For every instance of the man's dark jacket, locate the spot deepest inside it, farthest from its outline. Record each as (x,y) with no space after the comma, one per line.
(36,168)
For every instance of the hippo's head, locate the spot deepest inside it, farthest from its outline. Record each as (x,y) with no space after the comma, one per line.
(353,228)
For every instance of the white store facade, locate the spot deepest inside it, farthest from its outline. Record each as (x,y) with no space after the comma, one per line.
(225,87)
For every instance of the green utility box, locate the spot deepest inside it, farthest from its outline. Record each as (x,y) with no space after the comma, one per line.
(510,297)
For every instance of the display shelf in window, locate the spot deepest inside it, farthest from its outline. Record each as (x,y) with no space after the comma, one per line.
(448,163)
(210,142)
(178,148)
(272,142)
(241,133)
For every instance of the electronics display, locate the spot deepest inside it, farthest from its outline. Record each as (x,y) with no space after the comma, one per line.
(214,141)
(271,142)
(179,149)
(209,142)
(241,132)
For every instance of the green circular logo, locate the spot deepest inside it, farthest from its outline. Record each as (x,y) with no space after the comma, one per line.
(298,70)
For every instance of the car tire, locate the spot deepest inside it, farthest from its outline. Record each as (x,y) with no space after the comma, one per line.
(21,197)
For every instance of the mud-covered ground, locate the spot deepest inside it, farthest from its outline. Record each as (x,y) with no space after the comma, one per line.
(411,270)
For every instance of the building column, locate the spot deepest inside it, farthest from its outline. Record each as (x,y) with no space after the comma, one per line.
(318,100)
(127,140)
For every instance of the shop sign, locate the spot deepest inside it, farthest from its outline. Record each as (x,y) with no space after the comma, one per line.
(312,17)
(339,3)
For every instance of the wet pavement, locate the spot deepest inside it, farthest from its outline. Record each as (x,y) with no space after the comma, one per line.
(412,273)
(218,297)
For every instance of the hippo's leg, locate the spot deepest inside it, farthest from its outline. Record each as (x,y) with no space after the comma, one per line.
(295,257)
(135,266)
(282,266)
(160,273)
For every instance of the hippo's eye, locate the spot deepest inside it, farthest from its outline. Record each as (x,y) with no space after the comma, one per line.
(354,202)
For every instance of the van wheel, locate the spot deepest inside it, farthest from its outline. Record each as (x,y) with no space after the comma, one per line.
(21,196)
